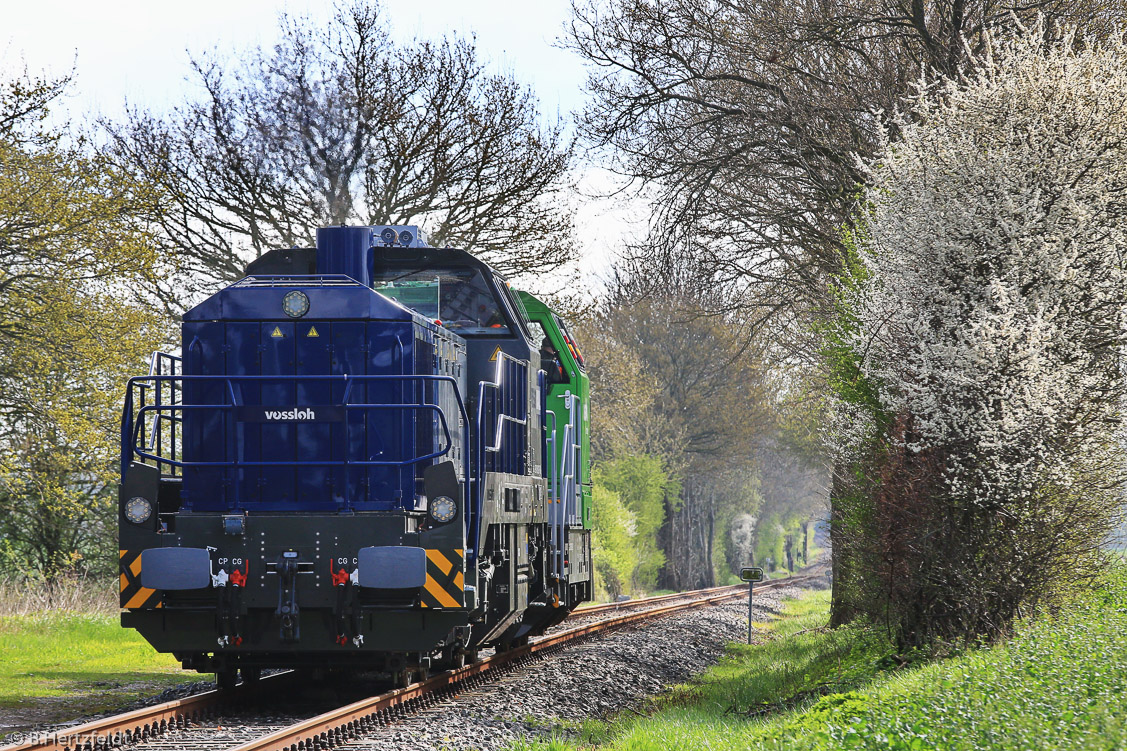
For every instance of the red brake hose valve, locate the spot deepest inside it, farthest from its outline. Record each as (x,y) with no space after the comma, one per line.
(339,578)
(239,578)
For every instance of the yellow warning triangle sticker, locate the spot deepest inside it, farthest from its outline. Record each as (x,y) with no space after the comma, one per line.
(495,353)
(313,332)
(277,333)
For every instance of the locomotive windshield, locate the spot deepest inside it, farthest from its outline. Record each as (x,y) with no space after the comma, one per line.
(459,298)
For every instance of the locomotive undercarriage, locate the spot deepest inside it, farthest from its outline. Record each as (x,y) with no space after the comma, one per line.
(285,592)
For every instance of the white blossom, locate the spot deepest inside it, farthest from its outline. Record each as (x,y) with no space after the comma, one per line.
(994,251)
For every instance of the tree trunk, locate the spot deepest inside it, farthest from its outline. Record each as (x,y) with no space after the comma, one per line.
(665,538)
(709,569)
(841,610)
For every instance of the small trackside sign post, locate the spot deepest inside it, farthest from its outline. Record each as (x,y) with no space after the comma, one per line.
(751,575)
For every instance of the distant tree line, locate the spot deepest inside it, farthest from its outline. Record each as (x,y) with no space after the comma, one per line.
(690,431)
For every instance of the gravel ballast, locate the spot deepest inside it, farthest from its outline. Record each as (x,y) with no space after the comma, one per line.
(595,679)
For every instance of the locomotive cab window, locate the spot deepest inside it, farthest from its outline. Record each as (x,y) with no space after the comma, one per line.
(550,361)
(512,302)
(537,330)
(459,298)
(571,345)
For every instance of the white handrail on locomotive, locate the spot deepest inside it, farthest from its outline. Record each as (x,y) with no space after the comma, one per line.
(483,447)
(501,418)
(562,485)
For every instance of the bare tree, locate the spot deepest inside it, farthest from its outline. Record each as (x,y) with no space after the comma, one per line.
(343,124)
(745,117)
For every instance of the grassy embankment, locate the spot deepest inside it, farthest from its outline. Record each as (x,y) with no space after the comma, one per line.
(67,656)
(1060,683)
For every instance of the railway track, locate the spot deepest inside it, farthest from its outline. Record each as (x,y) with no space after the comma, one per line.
(302,730)
(611,607)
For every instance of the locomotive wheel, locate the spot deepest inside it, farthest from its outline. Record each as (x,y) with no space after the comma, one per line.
(452,658)
(513,644)
(250,675)
(225,679)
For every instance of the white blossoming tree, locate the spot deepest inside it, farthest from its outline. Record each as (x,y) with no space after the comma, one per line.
(983,331)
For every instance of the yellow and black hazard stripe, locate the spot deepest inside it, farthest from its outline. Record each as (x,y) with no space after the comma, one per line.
(133,595)
(445,580)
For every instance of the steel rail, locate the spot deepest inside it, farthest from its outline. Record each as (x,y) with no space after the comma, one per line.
(147,722)
(332,728)
(614,606)
(141,724)
(741,589)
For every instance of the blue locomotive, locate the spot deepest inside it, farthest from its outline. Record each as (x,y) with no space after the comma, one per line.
(370,454)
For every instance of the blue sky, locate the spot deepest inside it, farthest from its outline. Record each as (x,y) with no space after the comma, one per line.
(139,48)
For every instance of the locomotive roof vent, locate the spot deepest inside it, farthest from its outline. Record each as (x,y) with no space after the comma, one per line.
(402,236)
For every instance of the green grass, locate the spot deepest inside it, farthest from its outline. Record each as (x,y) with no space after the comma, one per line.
(1060,683)
(58,665)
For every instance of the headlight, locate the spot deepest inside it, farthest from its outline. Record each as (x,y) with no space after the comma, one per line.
(405,238)
(443,508)
(138,510)
(388,236)
(295,304)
